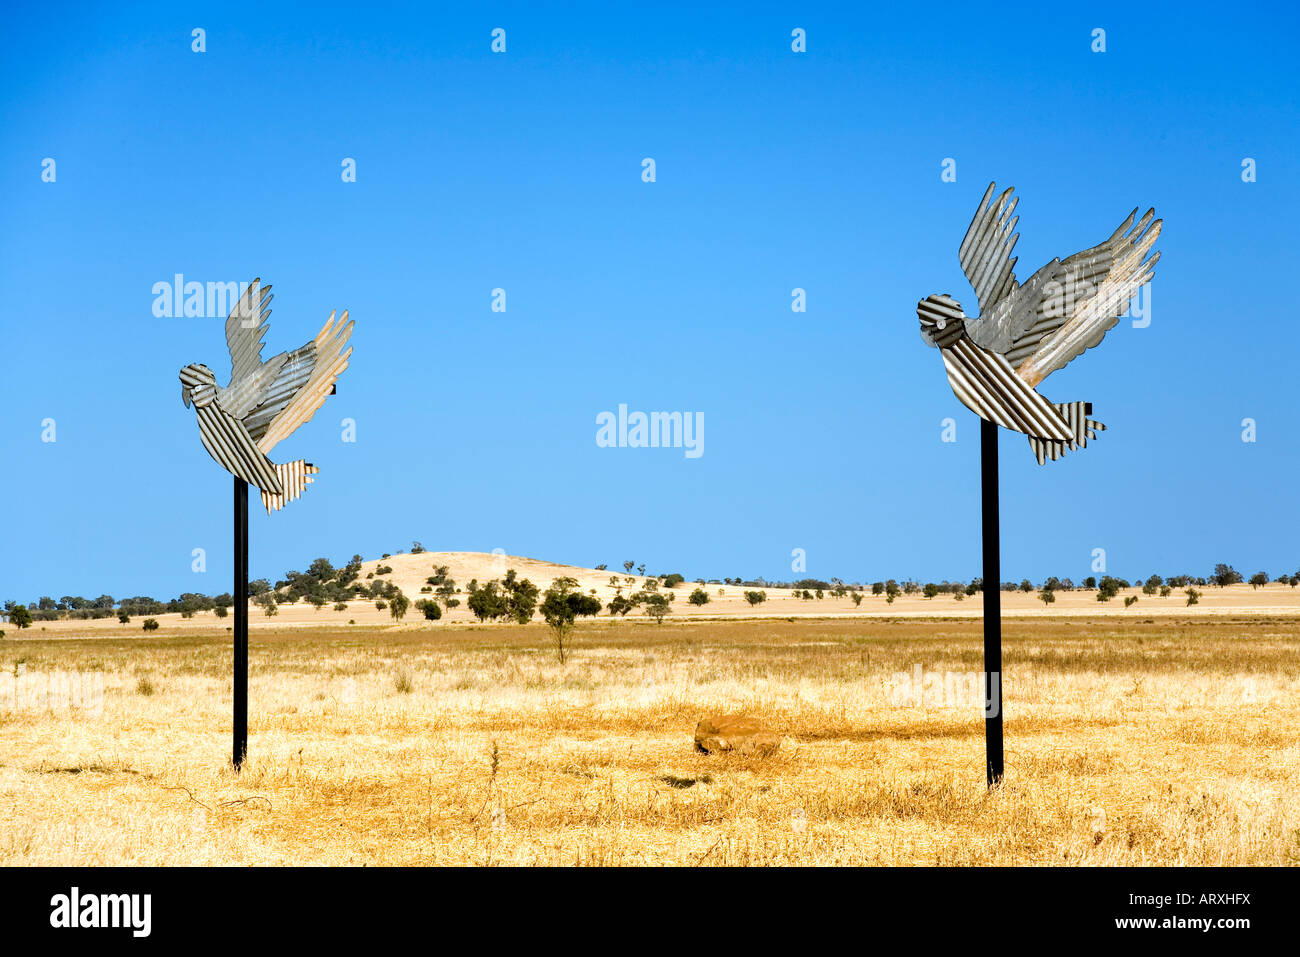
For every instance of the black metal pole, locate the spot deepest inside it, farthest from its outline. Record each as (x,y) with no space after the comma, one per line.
(241,623)
(992,601)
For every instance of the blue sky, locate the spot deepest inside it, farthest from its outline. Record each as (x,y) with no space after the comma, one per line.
(774,170)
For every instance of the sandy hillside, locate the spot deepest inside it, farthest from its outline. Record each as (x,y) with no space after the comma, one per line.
(410,571)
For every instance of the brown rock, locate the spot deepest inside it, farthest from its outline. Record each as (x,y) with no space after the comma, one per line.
(737,733)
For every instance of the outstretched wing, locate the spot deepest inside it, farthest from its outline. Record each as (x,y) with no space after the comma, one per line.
(245,327)
(985,253)
(1068,305)
(1092,289)
(302,385)
(294,371)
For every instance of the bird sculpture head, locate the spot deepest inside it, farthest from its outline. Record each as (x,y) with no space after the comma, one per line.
(198,385)
(942,320)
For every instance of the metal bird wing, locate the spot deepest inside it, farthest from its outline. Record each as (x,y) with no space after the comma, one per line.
(1065,307)
(985,252)
(306,378)
(1093,290)
(245,327)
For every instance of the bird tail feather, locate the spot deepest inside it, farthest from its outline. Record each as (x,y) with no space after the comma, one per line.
(294,478)
(1075,415)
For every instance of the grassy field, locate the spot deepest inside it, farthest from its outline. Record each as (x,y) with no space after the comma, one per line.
(1129,741)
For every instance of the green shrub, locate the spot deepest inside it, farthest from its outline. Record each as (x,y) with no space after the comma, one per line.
(150,624)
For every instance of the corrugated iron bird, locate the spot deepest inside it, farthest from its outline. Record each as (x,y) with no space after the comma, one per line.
(265,401)
(1026,332)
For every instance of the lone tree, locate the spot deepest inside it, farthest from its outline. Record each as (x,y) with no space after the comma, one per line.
(397,606)
(755,597)
(1047,596)
(699,597)
(656,606)
(20,617)
(561,606)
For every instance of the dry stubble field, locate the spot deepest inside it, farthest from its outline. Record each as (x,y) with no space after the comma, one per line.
(1129,741)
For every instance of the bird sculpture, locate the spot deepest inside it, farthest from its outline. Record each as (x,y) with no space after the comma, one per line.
(265,401)
(1025,332)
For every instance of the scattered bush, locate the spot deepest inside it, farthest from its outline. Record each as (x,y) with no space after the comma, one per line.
(700,597)
(402,680)
(755,598)
(144,686)
(150,624)
(221,611)
(431,609)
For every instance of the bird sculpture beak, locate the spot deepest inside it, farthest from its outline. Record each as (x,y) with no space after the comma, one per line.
(185,394)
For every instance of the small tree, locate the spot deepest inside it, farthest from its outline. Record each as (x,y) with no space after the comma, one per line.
(1047,596)
(931,590)
(221,611)
(1130,600)
(397,606)
(20,617)
(150,624)
(431,609)
(656,606)
(755,598)
(857,599)
(1259,578)
(561,606)
(122,616)
(1193,596)
(701,597)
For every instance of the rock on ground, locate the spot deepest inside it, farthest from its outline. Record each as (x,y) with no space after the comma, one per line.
(737,733)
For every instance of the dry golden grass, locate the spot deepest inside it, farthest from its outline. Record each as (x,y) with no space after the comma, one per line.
(1129,741)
